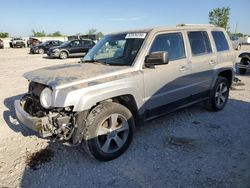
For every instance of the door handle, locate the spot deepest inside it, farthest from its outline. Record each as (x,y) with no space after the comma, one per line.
(212,62)
(183,68)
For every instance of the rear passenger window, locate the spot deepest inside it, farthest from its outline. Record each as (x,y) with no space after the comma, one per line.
(220,41)
(87,43)
(172,43)
(199,42)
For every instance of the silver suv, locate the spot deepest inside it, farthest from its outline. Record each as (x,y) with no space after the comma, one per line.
(127,78)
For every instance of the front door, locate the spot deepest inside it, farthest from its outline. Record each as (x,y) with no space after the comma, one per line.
(75,48)
(167,84)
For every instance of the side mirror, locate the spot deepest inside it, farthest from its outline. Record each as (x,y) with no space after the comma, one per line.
(157,58)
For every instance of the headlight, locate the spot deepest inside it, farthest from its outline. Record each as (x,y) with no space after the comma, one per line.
(46,97)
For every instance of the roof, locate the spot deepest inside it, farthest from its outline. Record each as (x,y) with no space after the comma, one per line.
(179,26)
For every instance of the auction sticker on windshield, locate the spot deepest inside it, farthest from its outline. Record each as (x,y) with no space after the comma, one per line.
(136,35)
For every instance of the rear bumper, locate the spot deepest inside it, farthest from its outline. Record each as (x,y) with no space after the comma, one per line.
(34,123)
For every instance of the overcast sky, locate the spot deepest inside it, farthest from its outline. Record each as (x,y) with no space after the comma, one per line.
(19,17)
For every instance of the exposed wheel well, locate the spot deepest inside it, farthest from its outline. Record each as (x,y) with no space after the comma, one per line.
(228,75)
(244,60)
(129,102)
(65,51)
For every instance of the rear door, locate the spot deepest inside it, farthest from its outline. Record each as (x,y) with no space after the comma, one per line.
(85,46)
(203,60)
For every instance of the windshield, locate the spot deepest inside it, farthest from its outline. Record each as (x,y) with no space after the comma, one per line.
(233,37)
(44,43)
(120,49)
(65,43)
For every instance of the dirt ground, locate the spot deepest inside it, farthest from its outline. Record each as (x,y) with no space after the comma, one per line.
(189,148)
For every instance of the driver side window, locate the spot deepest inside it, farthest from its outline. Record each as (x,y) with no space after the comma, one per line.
(75,43)
(172,43)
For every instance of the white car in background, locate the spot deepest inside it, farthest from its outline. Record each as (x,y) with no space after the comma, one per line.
(245,40)
(236,42)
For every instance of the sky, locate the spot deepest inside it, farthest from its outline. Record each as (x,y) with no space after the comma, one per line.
(19,17)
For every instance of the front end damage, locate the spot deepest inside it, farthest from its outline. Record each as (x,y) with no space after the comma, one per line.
(58,122)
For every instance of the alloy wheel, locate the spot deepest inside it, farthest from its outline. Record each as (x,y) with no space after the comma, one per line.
(221,94)
(112,133)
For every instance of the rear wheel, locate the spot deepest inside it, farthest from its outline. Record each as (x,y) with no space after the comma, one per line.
(63,55)
(219,94)
(109,131)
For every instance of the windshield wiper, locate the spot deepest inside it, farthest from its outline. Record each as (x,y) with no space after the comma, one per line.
(96,61)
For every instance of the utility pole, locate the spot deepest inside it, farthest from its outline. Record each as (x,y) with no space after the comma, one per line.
(236,26)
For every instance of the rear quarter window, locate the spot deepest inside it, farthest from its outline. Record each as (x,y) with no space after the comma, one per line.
(220,41)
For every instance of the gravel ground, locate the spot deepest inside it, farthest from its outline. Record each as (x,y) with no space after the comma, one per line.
(188,148)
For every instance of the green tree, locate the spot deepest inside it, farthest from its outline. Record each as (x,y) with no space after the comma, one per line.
(220,17)
(55,34)
(95,32)
(43,34)
(91,32)
(4,35)
(239,34)
(99,35)
(38,33)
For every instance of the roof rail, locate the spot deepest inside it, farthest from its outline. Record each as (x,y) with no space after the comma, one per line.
(207,25)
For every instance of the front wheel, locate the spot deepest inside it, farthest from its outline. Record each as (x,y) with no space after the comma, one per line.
(109,131)
(41,51)
(63,55)
(219,94)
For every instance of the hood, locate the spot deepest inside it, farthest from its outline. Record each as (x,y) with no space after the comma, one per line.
(69,73)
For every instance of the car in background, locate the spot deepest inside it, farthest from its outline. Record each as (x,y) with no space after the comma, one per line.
(236,42)
(244,63)
(44,47)
(73,48)
(1,44)
(32,41)
(245,40)
(17,43)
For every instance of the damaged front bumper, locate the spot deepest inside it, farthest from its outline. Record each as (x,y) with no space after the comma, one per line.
(34,123)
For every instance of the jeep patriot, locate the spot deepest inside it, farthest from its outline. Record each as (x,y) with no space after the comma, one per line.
(127,78)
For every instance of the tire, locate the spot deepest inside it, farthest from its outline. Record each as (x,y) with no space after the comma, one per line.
(63,55)
(243,61)
(40,51)
(219,95)
(100,141)
(238,47)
